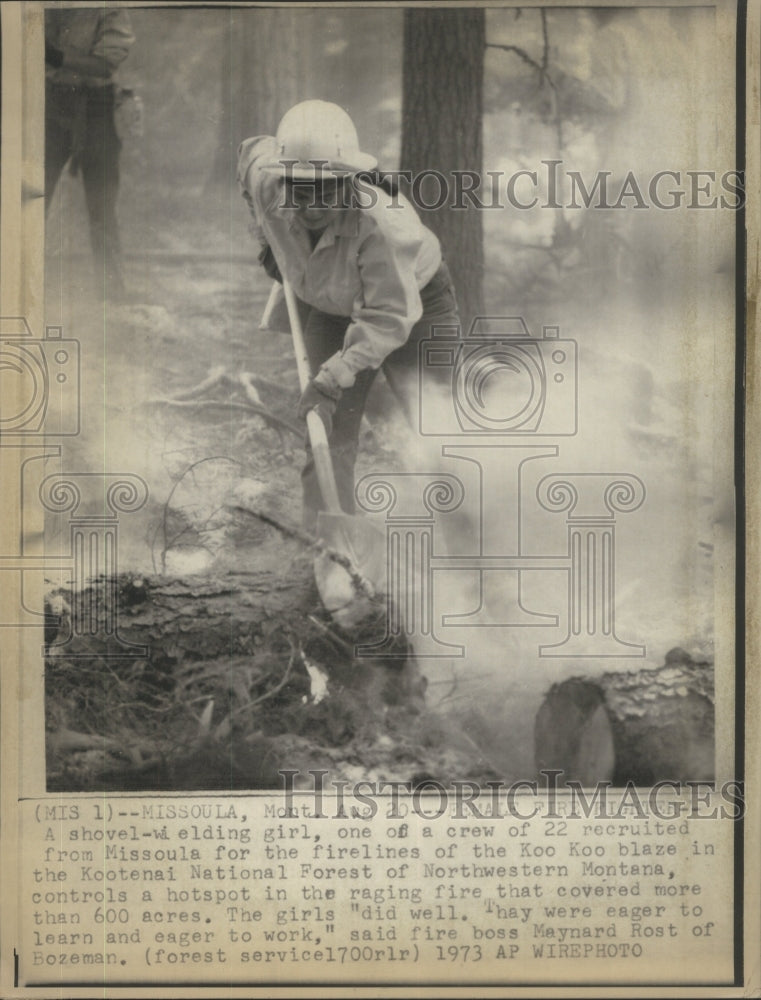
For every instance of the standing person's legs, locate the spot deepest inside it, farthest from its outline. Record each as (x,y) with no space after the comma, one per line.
(402,367)
(323,335)
(59,125)
(100,174)
(62,104)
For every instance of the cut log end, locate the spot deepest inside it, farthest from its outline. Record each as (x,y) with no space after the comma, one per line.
(640,727)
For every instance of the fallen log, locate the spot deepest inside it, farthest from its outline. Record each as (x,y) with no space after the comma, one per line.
(215,683)
(639,726)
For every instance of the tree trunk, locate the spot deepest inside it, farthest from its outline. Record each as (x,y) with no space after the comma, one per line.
(263,74)
(442,131)
(640,727)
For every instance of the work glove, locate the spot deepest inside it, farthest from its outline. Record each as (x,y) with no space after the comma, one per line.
(320,395)
(268,262)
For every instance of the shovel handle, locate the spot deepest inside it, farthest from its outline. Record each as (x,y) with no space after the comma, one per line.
(299,347)
(315,427)
(276,295)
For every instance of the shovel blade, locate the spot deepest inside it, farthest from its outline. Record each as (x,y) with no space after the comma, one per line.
(365,545)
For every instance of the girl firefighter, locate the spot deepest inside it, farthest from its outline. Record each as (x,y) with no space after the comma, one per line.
(369,274)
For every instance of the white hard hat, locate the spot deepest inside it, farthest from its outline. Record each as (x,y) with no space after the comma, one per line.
(317,139)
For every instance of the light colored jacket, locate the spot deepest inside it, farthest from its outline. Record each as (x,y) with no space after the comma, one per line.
(369,264)
(91,31)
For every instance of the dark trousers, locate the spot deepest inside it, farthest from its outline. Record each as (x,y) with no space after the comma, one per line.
(324,335)
(79,127)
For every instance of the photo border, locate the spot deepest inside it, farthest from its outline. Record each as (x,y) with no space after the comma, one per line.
(20,198)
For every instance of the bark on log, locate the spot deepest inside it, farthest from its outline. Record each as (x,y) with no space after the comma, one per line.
(208,703)
(641,727)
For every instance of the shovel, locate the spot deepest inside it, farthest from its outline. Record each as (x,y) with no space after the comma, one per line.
(351,537)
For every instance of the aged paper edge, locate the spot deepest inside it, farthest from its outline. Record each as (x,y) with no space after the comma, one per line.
(22,272)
